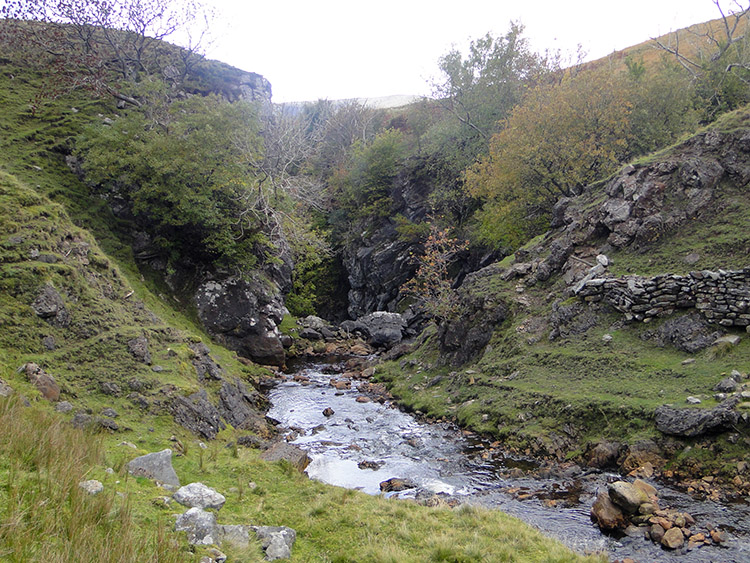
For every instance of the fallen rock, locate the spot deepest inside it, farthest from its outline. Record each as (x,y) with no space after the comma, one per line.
(282,450)
(394,484)
(156,466)
(43,381)
(606,514)
(627,496)
(726,385)
(200,496)
(328,411)
(673,538)
(277,541)
(199,525)
(92,486)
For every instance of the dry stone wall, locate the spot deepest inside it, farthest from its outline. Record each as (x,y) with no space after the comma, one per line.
(723,297)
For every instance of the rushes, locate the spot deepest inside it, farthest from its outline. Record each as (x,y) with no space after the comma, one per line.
(45,515)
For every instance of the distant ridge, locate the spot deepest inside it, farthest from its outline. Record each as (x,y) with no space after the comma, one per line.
(382,102)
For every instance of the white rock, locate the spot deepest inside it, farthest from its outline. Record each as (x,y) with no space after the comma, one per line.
(199,525)
(603,260)
(92,487)
(693,400)
(200,496)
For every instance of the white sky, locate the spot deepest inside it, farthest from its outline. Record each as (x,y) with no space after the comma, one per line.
(332,49)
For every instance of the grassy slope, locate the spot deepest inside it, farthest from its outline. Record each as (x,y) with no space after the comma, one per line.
(526,389)
(44,209)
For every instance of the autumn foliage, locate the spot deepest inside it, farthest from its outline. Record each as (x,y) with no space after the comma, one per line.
(432,284)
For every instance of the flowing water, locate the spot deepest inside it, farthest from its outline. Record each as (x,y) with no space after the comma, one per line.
(362,444)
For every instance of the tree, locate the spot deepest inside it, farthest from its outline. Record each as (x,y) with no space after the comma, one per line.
(101,44)
(717,56)
(188,177)
(431,286)
(560,139)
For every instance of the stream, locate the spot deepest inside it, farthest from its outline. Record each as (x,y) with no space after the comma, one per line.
(364,443)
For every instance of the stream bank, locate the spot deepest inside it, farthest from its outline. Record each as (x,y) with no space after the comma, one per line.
(358,440)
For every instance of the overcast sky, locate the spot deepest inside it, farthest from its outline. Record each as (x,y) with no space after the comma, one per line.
(332,49)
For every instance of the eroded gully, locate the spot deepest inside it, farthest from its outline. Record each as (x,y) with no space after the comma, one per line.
(363,444)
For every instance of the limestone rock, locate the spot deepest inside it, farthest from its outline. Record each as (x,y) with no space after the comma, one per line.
(199,525)
(44,382)
(690,422)
(63,406)
(606,514)
(282,450)
(381,328)
(200,496)
(243,313)
(277,541)
(92,486)
(156,466)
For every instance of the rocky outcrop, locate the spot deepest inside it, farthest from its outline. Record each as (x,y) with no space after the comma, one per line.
(243,314)
(197,414)
(691,422)
(43,381)
(294,455)
(465,335)
(49,306)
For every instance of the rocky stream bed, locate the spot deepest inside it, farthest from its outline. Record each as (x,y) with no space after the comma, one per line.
(358,439)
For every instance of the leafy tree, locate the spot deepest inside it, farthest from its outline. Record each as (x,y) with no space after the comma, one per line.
(431,286)
(561,138)
(717,57)
(185,168)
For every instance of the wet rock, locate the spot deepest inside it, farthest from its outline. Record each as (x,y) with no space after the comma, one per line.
(282,450)
(92,486)
(673,538)
(394,484)
(328,412)
(200,496)
(199,525)
(374,465)
(603,455)
(363,399)
(607,515)
(276,541)
(156,466)
(627,496)
(691,422)
(44,382)
(657,533)
(138,347)
(49,306)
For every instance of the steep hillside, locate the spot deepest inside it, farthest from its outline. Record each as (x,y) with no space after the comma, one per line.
(554,355)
